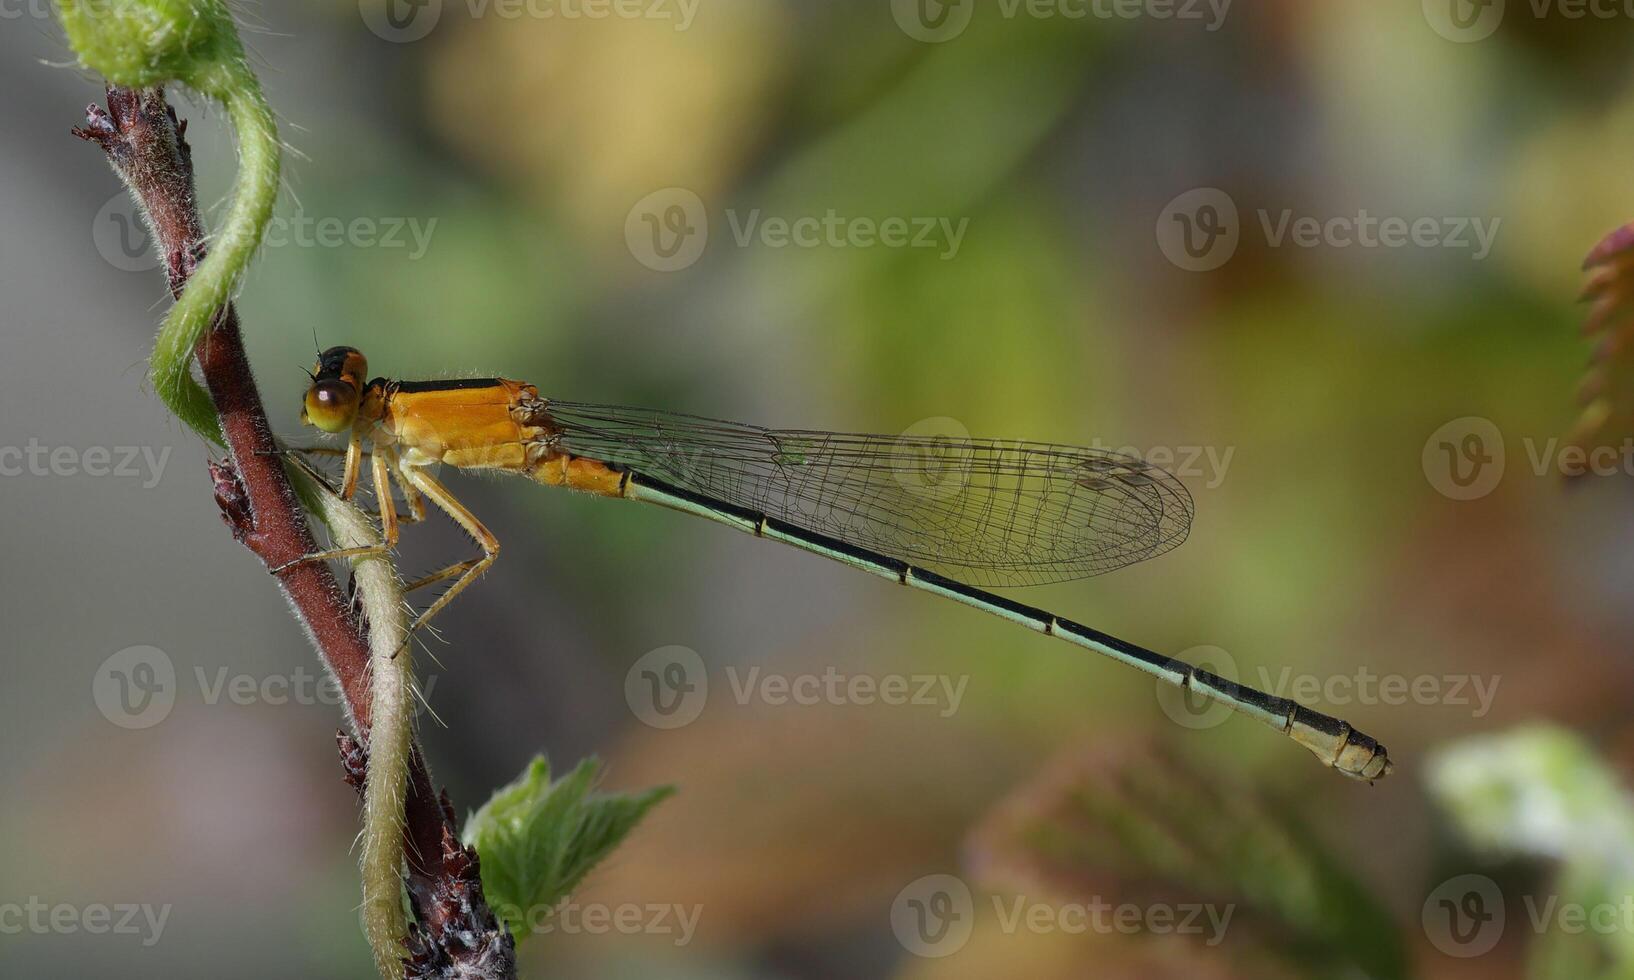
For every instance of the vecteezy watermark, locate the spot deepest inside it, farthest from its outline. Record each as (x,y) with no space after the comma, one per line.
(936,458)
(1362,686)
(932,458)
(1187,708)
(1464,21)
(936,21)
(35,916)
(669,687)
(1466,916)
(934,916)
(300,686)
(668,230)
(142,463)
(1205,463)
(137,687)
(1200,230)
(1550,457)
(403,21)
(1464,459)
(942,693)
(31,9)
(123,239)
(679,923)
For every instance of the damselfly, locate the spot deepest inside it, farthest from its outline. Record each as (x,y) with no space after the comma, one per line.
(947,516)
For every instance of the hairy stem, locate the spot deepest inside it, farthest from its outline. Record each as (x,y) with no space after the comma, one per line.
(390,743)
(212,283)
(147,147)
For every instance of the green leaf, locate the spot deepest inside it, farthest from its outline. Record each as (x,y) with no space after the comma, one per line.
(1541,791)
(538,839)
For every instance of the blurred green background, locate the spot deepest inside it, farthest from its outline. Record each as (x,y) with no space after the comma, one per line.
(1306,391)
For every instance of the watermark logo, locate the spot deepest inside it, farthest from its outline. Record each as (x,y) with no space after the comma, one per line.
(832,229)
(1189,709)
(1208,464)
(121,236)
(936,458)
(1463,21)
(1020,914)
(936,21)
(140,463)
(406,21)
(667,230)
(942,693)
(38,917)
(400,21)
(1199,230)
(1464,459)
(668,687)
(124,241)
(300,686)
(933,21)
(1477,692)
(934,916)
(932,458)
(37,9)
(1464,916)
(135,687)
(677,923)
(1362,686)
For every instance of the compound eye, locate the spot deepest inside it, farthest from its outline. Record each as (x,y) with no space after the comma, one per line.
(331,405)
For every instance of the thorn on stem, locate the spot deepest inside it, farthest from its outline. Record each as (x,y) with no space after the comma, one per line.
(354,758)
(233,500)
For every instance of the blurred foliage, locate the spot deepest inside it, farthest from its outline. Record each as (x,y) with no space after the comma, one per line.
(1608,390)
(1142,825)
(1323,548)
(1541,792)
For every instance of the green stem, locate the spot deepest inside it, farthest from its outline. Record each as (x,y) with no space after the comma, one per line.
(390,732)
(212,283)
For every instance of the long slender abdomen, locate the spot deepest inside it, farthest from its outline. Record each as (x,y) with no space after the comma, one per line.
(1332,740)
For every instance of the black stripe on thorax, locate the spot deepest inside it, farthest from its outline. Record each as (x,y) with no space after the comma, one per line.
(452,384)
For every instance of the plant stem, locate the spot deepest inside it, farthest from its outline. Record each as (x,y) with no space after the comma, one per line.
(211,284)
(390,744)
(146,145)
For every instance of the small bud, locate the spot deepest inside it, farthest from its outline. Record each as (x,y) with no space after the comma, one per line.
(141,43)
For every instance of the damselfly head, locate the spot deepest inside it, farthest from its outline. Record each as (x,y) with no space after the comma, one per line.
(337,387)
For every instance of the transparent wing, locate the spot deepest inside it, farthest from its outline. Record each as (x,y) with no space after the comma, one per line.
(991,513)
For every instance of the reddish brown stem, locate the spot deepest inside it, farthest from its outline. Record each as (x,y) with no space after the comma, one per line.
(147,146)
